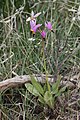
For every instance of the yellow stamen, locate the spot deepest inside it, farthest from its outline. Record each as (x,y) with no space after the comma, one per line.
(32,31)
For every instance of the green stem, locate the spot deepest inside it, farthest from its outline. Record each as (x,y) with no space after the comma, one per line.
(44,65)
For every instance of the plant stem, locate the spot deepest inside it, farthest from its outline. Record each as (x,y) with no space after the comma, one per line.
(44,65)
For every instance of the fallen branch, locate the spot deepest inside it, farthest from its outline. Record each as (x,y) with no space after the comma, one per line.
(19,80)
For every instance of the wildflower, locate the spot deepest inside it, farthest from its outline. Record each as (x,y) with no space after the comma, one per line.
(33,16)
(34,27)
(43,34)
(32,23)
(48,25)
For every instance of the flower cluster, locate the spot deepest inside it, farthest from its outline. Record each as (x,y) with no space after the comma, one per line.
(36,27)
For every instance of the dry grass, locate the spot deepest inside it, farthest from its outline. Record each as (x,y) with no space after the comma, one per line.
(19,55)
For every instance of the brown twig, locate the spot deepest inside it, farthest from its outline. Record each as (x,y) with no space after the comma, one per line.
(19,80)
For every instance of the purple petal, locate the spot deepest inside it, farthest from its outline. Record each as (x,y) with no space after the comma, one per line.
(48,25)
(36,27)
(45,24)
(43,34)
(36,15)
(32,23)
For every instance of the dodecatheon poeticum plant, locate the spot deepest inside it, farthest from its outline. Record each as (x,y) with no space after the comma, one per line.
(33,26)
(43,34)
(49,26)
(33,16)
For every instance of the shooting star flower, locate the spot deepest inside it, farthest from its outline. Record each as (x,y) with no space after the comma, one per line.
(33,26)
(33,16)
(43,34)
(32,23)
(48,25)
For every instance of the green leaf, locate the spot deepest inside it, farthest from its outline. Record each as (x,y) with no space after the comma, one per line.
(57,94)
(60,91)
(31,89)
(63,89)
(48,98)
(45,87)
(55,86)
(37,85)
(41,99)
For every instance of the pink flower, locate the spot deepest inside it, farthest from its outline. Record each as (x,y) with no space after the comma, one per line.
(33,16)
(33,26)
(32,23)
(48,25)
(43,34)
